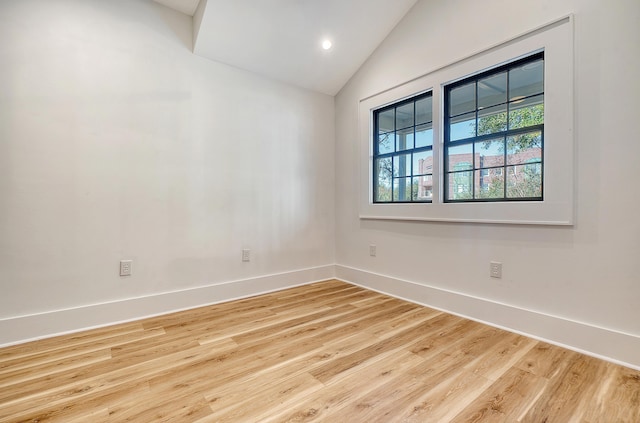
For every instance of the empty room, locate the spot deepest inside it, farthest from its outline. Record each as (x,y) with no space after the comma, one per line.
(319,211)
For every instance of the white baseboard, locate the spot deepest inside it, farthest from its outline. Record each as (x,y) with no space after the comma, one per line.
(617,347)
(19,329)
(607,344)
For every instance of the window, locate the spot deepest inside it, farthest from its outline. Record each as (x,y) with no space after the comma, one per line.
(403,151)
(501,141)
(494,125)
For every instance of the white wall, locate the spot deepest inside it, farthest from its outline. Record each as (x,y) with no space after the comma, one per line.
(587,273)
(117,142)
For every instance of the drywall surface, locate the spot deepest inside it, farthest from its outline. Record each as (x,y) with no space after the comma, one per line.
(585,273)
(117,142)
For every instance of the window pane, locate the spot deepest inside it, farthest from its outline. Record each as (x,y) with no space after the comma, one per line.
(524,181)
(527,112)
(423,111)
(424,135)
(524,148)
(386,143)
(526,80)
(423,162)
(394,177)
(494,122)
(404,139)
(383,191)
(492,119)
(489,153)
(402,189)
(383,179)
(402,165)
(533,166)
(383,169)
(460,157)
(462,99)
(460,185)
(462,127)
(385,121)
(404,116)
(488,184)
(492,90)
(422,188)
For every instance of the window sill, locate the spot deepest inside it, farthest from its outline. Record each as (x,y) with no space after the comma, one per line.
(514,213)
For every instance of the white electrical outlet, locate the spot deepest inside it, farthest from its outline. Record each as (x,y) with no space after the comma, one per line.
(246,255)
(125,267)
(495,269)
(372,250)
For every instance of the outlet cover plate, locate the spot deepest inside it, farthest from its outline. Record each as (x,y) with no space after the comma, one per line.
(125,267)
(495,269)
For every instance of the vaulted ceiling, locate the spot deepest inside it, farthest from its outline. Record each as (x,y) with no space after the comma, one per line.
(282,39)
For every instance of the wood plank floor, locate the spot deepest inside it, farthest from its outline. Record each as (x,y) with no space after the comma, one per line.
(328,352)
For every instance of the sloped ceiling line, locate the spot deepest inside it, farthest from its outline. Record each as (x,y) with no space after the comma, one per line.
(282,39)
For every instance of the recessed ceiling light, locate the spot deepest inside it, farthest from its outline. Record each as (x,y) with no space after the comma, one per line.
(326,44)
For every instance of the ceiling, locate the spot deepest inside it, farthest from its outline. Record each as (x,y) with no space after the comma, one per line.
(282,39)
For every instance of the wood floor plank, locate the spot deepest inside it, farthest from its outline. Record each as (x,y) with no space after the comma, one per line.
(617,397)
(402,339)
(443,332)
(94,378)
(345,312)
(280,370)
(394,324)
(26,373)
(97,415)
(187,409)
(545,360)
(408,394)
(349,387)
(267,352)
(444,401)
(324,352)
(202,315)
(372,298)
(388,310)
(86,402)
(423,393)
(506,400)
(234,364)
(568,394)
(283,326)
(264,397)
(68,345)
(315,300)
(501,356)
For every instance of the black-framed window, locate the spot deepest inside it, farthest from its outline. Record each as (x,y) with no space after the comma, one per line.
(403,151)
(494,134)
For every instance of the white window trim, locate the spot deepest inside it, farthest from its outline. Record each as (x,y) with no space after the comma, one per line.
(557,208)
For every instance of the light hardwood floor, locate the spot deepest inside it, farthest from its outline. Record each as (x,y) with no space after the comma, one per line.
(328,352)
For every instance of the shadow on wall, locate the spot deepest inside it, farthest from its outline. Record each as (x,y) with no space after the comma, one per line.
(180,24)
